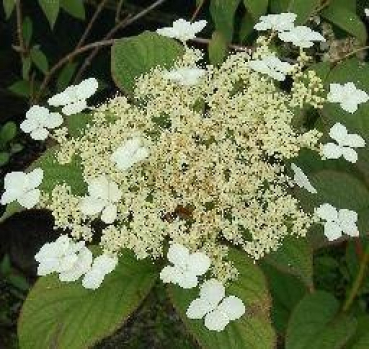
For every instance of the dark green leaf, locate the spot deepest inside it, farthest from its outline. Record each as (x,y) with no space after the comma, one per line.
(21,88)
(66,315)
(27,30)
(253,330)
(65,76)
(134,56)
(361,338)
(347,20)
(302,8)
(26,67)
(39,59)
(315,323)
(8,7)
(294,256)
(217,48)
(74,7)
(4,158)
(51,10)
(223,13)
(8,132)
(257,8)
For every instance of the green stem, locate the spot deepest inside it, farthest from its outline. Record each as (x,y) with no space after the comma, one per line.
(358,281)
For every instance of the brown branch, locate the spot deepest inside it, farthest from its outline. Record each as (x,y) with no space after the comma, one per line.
(22,46)
(66,59)
(91,23)
(122,24)
(198,9)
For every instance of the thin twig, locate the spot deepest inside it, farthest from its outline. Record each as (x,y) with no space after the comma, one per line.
(352,53)
(198,9)
(22,46)
(118,11)
(122,24)
(91,23)
(66,59)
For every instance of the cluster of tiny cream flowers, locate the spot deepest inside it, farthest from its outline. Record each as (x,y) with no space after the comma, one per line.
(212,169)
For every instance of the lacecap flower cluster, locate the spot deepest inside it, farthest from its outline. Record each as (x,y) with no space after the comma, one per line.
(198,163)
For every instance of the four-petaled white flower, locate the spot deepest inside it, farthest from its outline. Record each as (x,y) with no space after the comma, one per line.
(347,95)
(186,266)
(366,12)
(130,153)
(272,66)
(22,187)
(280,22)
(337,221)
(103,196)
(185,76)
(301,179)
(64,256)
(183,30)
(101,266)
(39,121)
(301,36)
(73,98)
(217,309)
(346,143)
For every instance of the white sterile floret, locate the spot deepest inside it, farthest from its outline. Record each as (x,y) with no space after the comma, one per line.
(130,153)
(346,143)
(301,179)
(186,266)
(185,76)
(337,221)
(22,187)
(66,257)
(301,36)
(39,121)
(183,30)
(366,12)
(73,98)
(280,22)
(217,309)
(347,95)
(101,266)
(272,66)
(103,196)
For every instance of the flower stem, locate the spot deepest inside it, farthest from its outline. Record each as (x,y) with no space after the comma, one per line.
(358,281)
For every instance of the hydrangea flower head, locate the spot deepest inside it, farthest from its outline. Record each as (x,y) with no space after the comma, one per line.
(101,266)
(74,98)
(347,95)
(217,309)
(345,144)
(277,22)
(66,257)
(337,221)
(39,121)
(185,76)
(23,188)
(272,66)
(301,179)
(130,153)
(183,30)
(301,36)
(186,266)
(103,196)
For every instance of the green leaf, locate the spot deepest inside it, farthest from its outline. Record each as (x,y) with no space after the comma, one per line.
(361,338)
(27,30)
(134,56)
(217,48)
(8,7)
(74,7)
(77,123)
(4,158)
(315,323)
(39,59)
(223,13)
(21,88)
(302,8)
(246,28)
(347,20)
(51,10)
(253,330)
(26,67)
(294,256)
(66,315)
(257,8)
(8,132)
(65,76)
(286,292)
